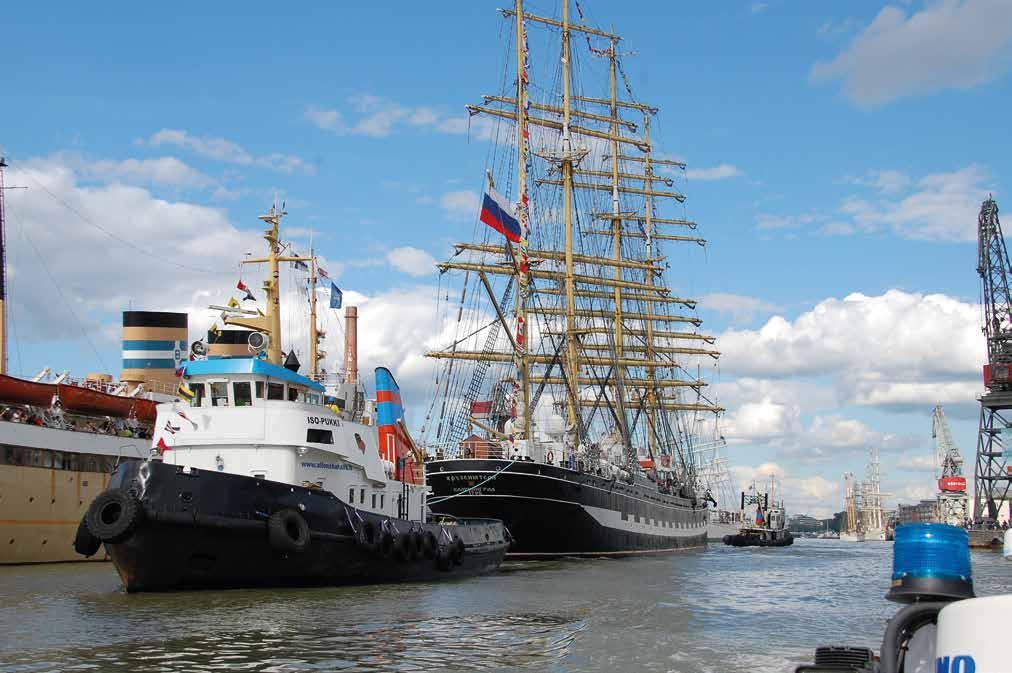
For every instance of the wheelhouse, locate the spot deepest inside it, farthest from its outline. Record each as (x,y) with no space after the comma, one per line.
(247,382)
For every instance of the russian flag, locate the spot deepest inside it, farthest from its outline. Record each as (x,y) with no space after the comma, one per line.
(497,213)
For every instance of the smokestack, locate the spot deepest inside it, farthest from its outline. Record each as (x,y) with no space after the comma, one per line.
(351,344)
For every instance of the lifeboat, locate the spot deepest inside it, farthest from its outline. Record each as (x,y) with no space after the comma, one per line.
(19,391)
(144,410)
(82,400)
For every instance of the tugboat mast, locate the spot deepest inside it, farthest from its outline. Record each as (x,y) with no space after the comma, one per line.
(270,322)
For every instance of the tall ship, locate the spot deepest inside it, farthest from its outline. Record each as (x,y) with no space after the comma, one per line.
(863,501)
(262,478)
(717,487)
(62,435)
(570,396)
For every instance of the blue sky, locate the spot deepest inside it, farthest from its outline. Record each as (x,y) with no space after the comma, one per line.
(855,143)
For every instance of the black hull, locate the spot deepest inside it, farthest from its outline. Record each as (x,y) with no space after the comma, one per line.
(756,540)
(553,511)
(202,530)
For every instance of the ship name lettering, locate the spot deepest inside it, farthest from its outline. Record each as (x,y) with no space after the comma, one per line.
(322,420)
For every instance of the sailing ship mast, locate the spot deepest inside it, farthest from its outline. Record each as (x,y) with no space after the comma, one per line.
(3,274)
(612,320)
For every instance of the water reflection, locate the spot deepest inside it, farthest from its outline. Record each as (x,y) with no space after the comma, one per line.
(721,610)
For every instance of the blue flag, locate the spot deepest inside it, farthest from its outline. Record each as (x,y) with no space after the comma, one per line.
(335,296)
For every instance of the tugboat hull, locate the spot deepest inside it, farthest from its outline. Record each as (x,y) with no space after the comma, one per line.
(169,528)
(552,511)
(757,540)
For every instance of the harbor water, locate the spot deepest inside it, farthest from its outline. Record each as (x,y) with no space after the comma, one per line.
(720,610)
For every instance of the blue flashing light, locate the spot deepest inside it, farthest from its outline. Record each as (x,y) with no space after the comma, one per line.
(931,560)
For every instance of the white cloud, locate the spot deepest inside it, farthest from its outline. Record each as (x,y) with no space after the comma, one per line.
(412,261)
(378,117)
(950,44)
(221,149)
(160,234)
(758,7)
(719,172)
(740,307)
(460,204)
(814,495)
(895,350)
(886,181)
(168,171)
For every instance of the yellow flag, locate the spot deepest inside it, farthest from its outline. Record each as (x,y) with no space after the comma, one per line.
(233,302)
(215,330)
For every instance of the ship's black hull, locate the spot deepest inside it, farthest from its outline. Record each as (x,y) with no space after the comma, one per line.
(198,530)
(552,511)
(756,539)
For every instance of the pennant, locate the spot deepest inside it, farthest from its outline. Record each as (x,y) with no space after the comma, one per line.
(241,286)
(335,296)
(323,274)
(185,391)
(215,330)
(233,302)
(302,266)
(179,372)
(170,428)
(186,418)
(162,446)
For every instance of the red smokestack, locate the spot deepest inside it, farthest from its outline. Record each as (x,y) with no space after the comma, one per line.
(351,344)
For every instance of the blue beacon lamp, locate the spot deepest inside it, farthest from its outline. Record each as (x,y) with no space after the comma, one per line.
(931,561)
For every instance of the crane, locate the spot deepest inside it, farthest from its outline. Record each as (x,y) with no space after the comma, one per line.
(951,501)
(992,478)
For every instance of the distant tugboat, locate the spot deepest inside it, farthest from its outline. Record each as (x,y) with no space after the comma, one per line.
(768,528)
(264,480)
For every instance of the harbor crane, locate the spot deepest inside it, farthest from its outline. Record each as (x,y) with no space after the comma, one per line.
(951,501)
(992,478)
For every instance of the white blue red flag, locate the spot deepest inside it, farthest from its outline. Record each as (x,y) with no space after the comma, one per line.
(497,213)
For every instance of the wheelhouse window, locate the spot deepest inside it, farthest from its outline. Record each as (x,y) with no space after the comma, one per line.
(219,394)
(275,391)
(293,394)
(260,390)
(199,393)
(351,495)
(242,394)
(317,436)
(361,496)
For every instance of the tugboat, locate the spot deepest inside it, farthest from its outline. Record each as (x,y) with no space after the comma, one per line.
(246,485)
(768,529)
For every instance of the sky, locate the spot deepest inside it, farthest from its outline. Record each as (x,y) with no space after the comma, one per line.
(837,158)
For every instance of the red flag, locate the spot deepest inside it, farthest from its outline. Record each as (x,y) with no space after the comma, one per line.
(249,295)
(162,446)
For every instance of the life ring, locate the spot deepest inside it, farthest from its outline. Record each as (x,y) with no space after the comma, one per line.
(113,516)
(430,546)
(550,457)
(457,551)
(85,543)
(287,531)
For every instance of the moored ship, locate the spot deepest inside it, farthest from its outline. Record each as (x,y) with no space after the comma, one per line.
(61,437)
(263,479)
(567,406)
(766,526)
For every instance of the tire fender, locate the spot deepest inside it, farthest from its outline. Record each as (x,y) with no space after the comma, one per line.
(113,516)
(287,531)
(85,543)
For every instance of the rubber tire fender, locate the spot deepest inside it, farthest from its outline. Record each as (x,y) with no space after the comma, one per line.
(114,515)
(287,531)
(404,546)
(85,542)
(416,544)
(429,546)
(386,544)
(367,537)
(457,551)
(444,558)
